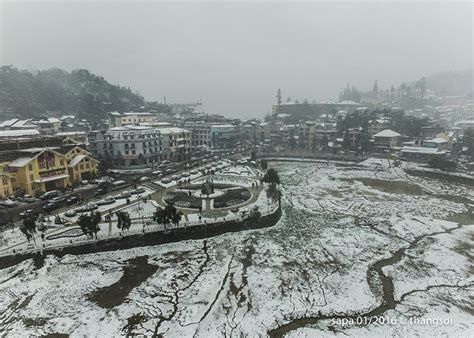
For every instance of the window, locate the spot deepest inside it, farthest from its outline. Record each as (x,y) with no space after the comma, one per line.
(4,180)
(31,177)
(61,162)
(30,166)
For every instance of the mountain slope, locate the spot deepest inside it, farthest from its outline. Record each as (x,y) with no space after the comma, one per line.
(54,92)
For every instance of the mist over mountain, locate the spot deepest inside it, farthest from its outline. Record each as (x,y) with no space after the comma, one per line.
(53,92)
(450,83)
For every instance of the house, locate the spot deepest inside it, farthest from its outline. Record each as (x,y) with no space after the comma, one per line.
(420,154)
(39,170)
(386,139)
(438,143)
(42,169)
(376,126)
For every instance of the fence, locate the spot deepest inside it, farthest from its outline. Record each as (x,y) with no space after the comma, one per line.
(148,228)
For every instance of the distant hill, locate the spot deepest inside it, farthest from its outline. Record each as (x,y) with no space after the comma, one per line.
(450,83)
(54,92)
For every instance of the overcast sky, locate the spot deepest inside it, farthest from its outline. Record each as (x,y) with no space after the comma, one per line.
(234,56)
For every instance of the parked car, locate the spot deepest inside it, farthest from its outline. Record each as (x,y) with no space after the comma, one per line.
(185,174)
(137,191)
(118,184)
(88,207)
(28,212)
(156,173)
(100,192)
(124,194)
(70,213)
(49,194)
(194,172)
(51,206)
(144,179)
(58,200)
(72,200)
(176,177)
(166,180)
(8,203)
(105,201)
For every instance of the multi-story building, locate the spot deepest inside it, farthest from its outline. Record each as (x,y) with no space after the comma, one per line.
(224,136)
(117,119)
(251,131)
(129,147)
(306,134)
(42,169)
(176,143)
(37,163)
(200,134)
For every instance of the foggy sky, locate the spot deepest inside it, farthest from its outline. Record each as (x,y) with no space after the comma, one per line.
(234,56)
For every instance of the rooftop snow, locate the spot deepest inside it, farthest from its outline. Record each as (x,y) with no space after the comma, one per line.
(20,162)
(76,160)
(14,133)
(421,150)
(387,133)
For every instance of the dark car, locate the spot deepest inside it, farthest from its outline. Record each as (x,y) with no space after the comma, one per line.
(51,206)
(59,201)
(100,192)
(49,194)
(72,200)
(28,212)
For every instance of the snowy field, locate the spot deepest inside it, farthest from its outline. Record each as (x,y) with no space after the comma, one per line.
(353,240)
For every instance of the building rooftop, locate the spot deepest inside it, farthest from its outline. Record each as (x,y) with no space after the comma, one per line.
(19,133)
(421,150)
(387,133)
(20,162)
(76,160)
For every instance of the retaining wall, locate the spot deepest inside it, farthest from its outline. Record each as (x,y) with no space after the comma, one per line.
(147,239)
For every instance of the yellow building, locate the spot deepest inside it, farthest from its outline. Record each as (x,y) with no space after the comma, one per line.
(44,169)
(39,170)
(6,186)
(80,164)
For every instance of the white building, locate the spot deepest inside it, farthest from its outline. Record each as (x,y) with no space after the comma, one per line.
(130,147)
(176,143)
(200,134)
(117,119)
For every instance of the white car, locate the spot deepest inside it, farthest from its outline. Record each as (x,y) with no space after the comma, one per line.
(144,179)
(70,213)
(105,201)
